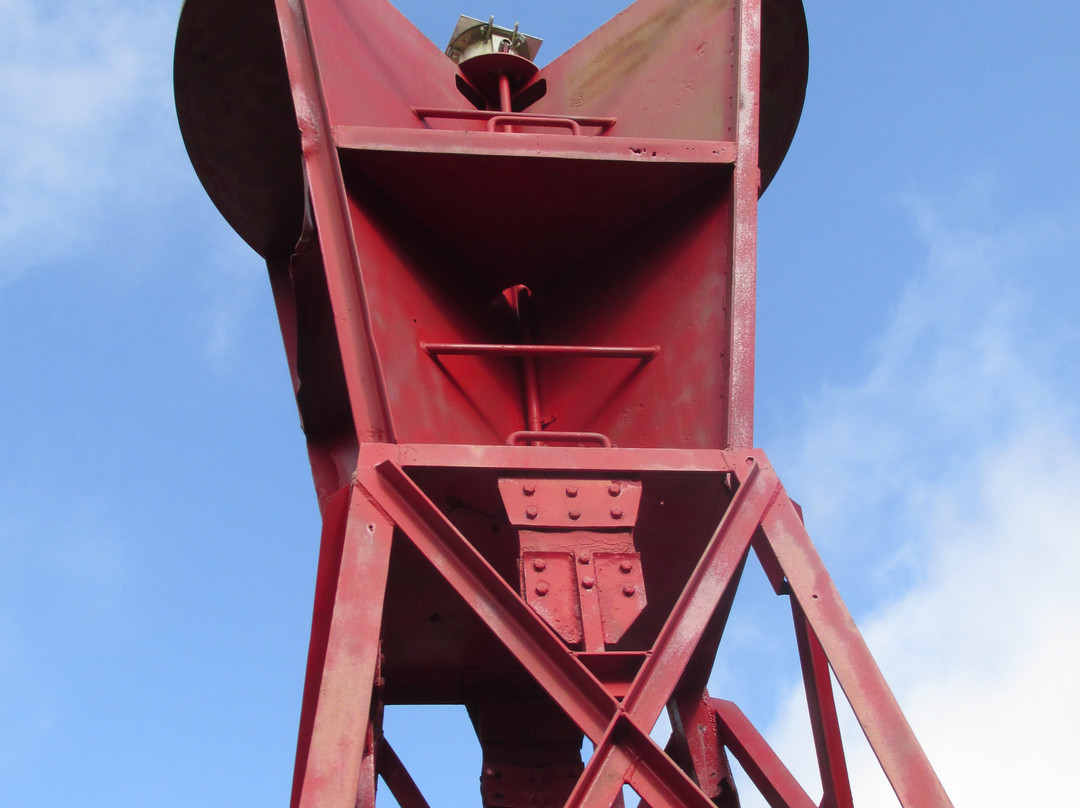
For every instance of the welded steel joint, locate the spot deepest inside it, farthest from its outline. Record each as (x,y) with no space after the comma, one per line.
(580,570)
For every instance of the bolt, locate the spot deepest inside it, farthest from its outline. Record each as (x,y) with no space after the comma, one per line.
(489,772)
(616,513)
(626,567)
(532,512)
(588,583)
(575,513)
(539,565)
(629,590)
(614,489)
(584,557)
(528,489)
(542,588)
(571,491)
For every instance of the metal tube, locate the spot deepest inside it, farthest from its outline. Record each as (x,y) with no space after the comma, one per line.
(587,351)
(532,385)
(504,92)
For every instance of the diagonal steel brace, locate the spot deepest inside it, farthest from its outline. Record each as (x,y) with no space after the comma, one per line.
(607,723)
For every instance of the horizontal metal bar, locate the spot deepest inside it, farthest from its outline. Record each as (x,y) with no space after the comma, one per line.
(517,438)
(592,351)
(487,114)
(540,145)
(553,459)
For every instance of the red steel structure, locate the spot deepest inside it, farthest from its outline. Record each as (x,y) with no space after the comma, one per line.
(518,308)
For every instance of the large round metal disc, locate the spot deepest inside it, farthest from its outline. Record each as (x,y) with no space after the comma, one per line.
(785,61)
(236,115)
(237,118)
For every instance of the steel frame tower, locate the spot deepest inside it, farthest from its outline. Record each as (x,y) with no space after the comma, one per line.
(518,309)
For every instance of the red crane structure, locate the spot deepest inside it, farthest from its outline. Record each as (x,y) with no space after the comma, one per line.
(518,309)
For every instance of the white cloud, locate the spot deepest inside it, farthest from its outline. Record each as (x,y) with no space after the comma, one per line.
(967,362)
(984,651)
(949,478)
(235,287)
(85,91)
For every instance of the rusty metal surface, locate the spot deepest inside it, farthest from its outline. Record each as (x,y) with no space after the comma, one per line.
(518,310)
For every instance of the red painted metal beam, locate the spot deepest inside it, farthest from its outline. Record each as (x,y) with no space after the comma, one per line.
(772,778)
(398,779)
(697,741)
(637,227)
(539,145)
(836,789)
(746,188)
(534,645)
(890,736)
(614,728)
(701,596)
(554,459)
(354,562)
(330,208)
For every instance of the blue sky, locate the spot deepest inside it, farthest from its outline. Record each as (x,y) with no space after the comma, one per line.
(917,384)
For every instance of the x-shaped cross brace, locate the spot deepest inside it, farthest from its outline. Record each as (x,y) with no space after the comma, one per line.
(337,705)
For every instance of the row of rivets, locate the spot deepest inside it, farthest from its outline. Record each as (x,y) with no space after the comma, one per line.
(574,513)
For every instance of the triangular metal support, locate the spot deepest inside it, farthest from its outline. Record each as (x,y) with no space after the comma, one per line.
(385,500)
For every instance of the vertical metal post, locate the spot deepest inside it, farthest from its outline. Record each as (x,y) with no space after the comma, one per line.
(354,560)
(747,181)
(533,421)
(823,720)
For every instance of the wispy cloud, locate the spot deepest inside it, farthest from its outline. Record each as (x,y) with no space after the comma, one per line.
(236,287)
(84,91)
(970,359)
(943,491)
(983,651)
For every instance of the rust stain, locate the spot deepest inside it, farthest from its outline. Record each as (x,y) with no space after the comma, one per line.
(630,51)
